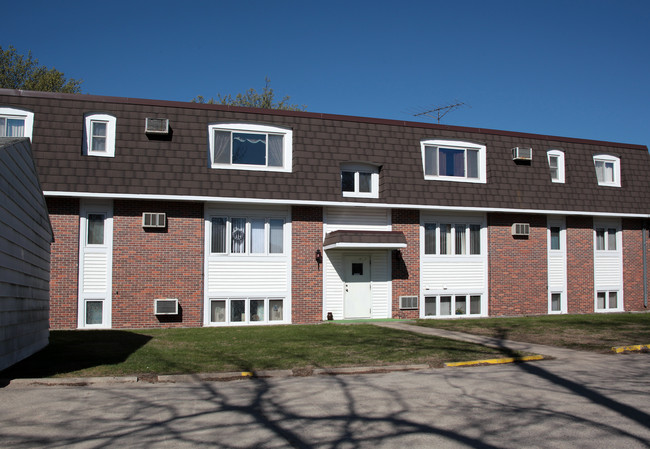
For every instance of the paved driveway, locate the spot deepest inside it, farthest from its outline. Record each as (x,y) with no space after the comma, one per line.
(586,401)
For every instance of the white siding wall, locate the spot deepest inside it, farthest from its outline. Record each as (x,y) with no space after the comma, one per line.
(236,276)
(608,271)
(557,264)
(95,276)
(25,237)
(356,219)
(454,274)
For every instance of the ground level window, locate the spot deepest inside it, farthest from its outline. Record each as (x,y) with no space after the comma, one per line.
(606,300)
(556,302)
(452,305)
(94,312)
(246,310)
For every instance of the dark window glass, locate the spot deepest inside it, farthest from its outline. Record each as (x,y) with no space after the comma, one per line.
(249,149)
(347,181)
(429,238)
(95,229)
(555,238)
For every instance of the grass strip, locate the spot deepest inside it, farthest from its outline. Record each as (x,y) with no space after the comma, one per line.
(596,332)
(244,349)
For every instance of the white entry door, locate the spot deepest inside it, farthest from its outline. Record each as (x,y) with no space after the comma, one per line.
(357,287)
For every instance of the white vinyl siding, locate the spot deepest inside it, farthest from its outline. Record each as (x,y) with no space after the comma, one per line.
(380,284)
(557,264)
(95,267)
(451,268)
(244,271)
(608,262)
(357,218)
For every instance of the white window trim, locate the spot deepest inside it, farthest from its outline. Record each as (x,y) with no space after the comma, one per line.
(619,300)
(453,222)
(617,169)
(554,222)
(20,114)
(560,164)
(287,144)
(619,239)
(374,180)
(460,145)
(111,125)
(453,314)
(247,322)
(247,245)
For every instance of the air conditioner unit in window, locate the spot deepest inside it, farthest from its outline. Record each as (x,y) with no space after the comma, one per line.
(520,229)
(408,302)
(156,126)
(154,220)
(167,306)
(522,154)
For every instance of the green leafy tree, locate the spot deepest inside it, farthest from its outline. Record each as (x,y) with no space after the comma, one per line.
(20,72)
(253,99)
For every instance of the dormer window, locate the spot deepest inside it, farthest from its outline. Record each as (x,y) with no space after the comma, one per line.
(250,147)
(16,123)
(360,180)
(99,135)
(450,160)
(608,170)
(556,165)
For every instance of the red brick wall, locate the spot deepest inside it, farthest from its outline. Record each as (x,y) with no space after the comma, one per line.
(406,262)
(580,264)
(307,276)
(64,275)
(517,266)
(633,263)
(149,264)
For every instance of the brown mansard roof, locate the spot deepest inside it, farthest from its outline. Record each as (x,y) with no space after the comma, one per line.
(321,143)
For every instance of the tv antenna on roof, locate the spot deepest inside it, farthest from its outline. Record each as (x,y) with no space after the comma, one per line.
(438,112)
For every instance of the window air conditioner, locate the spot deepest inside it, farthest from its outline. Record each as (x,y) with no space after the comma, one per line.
(522,154)
(408,302)
(520,229)
(156,126)
(166,306)
(154,220)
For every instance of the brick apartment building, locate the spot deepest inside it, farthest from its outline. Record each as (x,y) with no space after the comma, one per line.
(180,214)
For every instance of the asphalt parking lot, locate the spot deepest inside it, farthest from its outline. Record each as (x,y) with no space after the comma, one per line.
(576,400)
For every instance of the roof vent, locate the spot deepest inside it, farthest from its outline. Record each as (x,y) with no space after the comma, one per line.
(521,229)
(156,126)
(168,306)
(522,154)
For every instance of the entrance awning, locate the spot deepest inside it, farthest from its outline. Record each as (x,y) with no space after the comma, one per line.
(364,240)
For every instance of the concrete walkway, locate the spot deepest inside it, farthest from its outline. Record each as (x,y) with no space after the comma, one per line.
(506,345)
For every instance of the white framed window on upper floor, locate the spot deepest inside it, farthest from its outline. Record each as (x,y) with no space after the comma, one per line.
(99,135)
(556,165)
(242,235)
(16,122)
(451,160)
(608,170)
(360,180)
(246,146)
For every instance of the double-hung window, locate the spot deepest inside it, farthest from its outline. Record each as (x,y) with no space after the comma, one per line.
(247,236)
(606,239)
(608,170)
(452,239)
(360,180)
(556,165)
(99,135)
(453,161)
(16,122)
(250,147)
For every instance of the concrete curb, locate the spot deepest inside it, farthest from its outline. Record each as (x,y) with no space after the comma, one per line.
(528,358)
(73,381)
(619,349)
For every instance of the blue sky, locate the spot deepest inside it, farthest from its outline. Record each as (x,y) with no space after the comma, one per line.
(567,68)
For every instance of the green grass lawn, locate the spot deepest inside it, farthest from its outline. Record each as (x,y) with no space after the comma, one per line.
(201,350)
(596,332)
